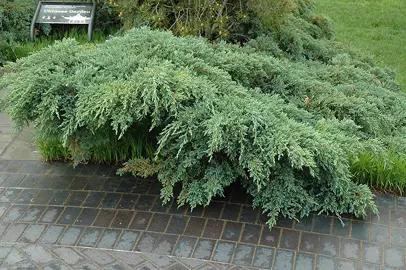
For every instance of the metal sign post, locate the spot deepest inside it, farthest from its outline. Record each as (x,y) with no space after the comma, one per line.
(64,13)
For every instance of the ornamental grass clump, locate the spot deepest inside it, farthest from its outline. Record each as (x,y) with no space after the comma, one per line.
(282,114)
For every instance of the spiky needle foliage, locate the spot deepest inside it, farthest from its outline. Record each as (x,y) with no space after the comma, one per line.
(282,115)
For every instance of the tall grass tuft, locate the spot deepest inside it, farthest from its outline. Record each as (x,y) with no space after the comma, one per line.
(382,172)
(109,150)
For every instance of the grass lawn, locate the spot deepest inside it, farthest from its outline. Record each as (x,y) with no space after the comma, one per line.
(374,26)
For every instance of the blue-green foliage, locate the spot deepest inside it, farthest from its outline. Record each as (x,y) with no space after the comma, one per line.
(283,122)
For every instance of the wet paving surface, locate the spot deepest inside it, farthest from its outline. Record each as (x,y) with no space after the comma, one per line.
(57,217)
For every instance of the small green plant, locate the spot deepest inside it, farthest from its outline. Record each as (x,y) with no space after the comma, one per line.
(382,171)
(51,149)
(108,149)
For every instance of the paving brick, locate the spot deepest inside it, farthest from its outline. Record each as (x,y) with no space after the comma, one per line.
(251,234)
(213,228)
(398,237)
(127,240)
(231,212)
(94,199)
(305,224)
(214,210)
(89,169)
(159,222)
(13,232)
(148,242)
(232,231)
(350,249)
(43,168)
(14,166)
(195,226)
(249,214)
(14,213)
(52,234)
(4,164)
(243,254)
(270,238)
(372,253)
(304,261)
(104,171)
(111,184)
(77,198)
(401,203)
(38,254)
(90,237)
(63,182)
(204,249)
(79,183)
(69,256)
(177,224)
(87,216)
(367,266)
(398,218)
(165,244)
(159,207)
(109,238)
(104,218)
(59,169)
(290,239)
(263,257)
(322,224)
(13,180)
(28,167)
(71,236)
(380,234)
(69,215)
(30,181)
(33,233)
(385,201)
(47,181)
(310,242)
(141,221)
(325,263)
(185,246)
(99,257)
(360,230)
(122,219)
(195,212)
(110,200)
(9,195)
(16,260)
(126,186)
(51,214)
(394,257)
(223,252)
(145,202)
(340,229)
(60,197)
(329,245)
(176,210)
(26,196)
(4,208)
(43,197)
(284,260)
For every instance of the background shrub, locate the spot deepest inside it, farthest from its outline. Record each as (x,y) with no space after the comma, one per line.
(15,21)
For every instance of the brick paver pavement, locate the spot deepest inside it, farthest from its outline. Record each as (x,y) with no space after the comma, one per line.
(57,217)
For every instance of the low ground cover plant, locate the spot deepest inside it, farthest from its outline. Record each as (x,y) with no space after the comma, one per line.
(287,114)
